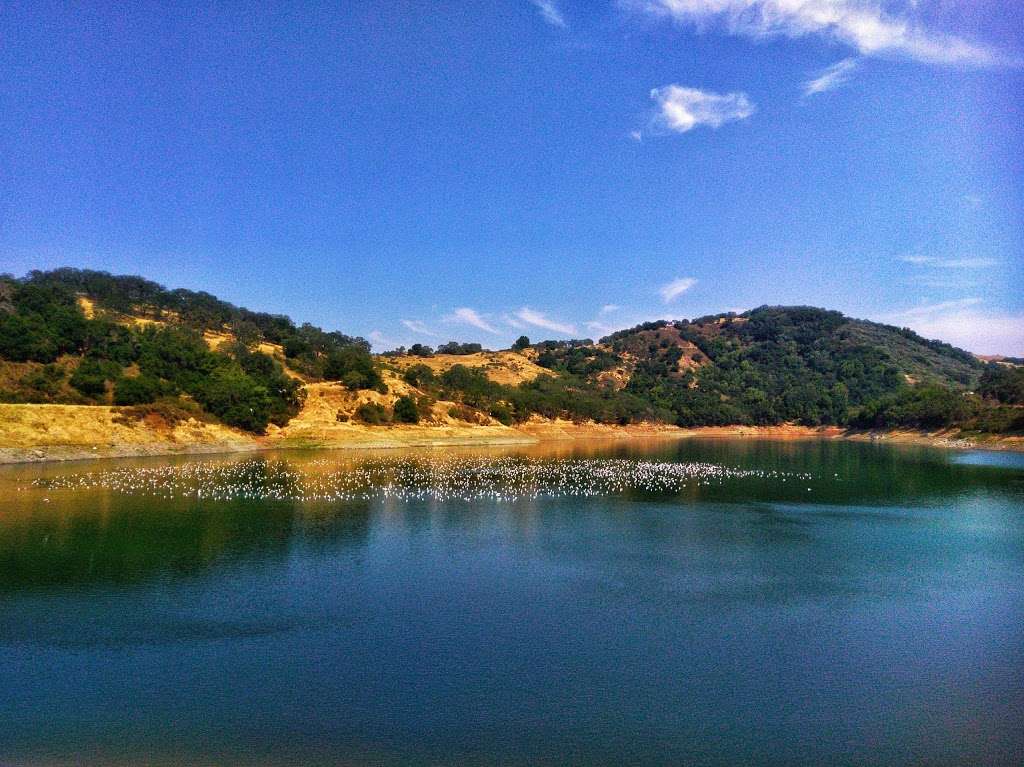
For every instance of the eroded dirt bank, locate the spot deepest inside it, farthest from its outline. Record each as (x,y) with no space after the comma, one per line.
(74,432)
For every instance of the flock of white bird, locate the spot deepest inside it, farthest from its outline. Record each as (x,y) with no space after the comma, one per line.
(435,478)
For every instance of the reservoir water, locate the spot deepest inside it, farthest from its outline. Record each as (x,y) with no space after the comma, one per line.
(693,602)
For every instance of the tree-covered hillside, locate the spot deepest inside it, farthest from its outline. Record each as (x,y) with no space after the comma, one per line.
(790,364)
(144,344)
(140,343)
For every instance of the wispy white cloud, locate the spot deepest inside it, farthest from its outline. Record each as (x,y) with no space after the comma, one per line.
(671,291)
(466,316)
(967,263)
(541,320)
(380,341)
(417,326)
(871,27)
(926,310)
(968,324)
(681,109)
(831,78)
(944,281)
(609,308)
(513,322)
(950,263)
(550,12)
(600,329)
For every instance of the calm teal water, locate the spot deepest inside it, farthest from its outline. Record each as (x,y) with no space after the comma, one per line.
(396,609)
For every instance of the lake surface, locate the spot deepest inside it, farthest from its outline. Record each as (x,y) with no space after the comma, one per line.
(694,602)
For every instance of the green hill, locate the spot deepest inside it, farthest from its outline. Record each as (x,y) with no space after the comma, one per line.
(140,344)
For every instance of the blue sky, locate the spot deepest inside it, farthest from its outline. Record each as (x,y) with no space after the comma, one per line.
(421,172)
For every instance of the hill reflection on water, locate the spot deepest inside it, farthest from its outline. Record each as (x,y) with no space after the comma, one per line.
(55,536)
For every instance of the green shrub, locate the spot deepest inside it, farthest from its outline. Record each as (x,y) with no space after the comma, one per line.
(373,414)
(406,410)
(1003,383)
(140,390)
(236,399)
(354,380)
(501,413)
(45,382)
(91,376)
(419,375)
(464,413)
(353,366)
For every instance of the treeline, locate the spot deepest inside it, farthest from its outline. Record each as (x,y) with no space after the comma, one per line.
(422,350)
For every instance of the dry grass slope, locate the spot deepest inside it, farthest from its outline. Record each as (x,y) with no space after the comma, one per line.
(508,368)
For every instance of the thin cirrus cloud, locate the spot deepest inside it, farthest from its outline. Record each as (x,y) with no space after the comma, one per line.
(681,109)
(928,310)
(671,291)
(540,320)
(600,328)
(968,324)
(950,263)
(417,326)
(466,316)
(513,322)
(869,27)
(831,78)
(378,339)
(550,12)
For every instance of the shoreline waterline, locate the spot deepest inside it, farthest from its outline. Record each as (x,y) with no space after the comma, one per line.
(399,438)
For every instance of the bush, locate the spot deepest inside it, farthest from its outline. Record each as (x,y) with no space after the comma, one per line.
(40,322)
(236,399)
(419,375)
(501,413)
(178,355)
(406,410)
(137,391)
(419,350)
(91,376)
(471,385)
(373,414)
(25,338)
(353,366)
(171,409)
(464,413)
(285,393)
(354,380)
(1003,383)
(454,347)
(45,382)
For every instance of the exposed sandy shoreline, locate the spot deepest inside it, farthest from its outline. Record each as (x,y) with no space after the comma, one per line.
(35,433)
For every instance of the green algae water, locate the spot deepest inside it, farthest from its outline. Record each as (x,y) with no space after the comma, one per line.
(695,602)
